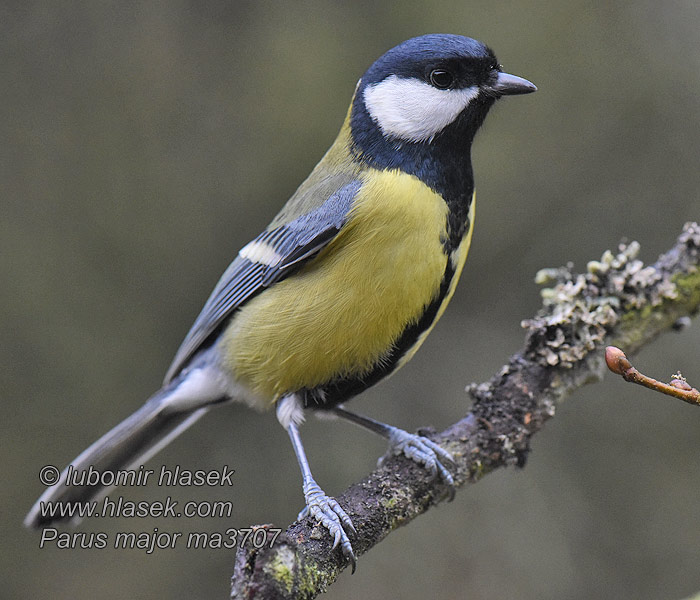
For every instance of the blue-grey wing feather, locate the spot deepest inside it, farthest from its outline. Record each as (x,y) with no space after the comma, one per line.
(293,243)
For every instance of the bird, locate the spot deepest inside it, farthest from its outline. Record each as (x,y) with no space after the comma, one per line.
(345,283)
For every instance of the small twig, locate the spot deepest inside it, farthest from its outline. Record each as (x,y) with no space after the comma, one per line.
(678,387)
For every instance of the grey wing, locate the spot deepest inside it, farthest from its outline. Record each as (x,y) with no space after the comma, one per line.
(273,255)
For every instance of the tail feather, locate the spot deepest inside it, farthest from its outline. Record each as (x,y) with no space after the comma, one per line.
(131,443)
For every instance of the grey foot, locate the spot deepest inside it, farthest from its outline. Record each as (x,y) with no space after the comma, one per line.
(423,451)
(327,512)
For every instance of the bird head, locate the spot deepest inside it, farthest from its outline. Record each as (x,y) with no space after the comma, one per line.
(432,90)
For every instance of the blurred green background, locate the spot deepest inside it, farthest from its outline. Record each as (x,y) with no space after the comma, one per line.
(145,143)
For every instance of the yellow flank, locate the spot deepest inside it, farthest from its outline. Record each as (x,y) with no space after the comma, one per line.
(457,258)
(342,312)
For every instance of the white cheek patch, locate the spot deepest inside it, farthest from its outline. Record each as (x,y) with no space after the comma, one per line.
(260,252)
(413,110)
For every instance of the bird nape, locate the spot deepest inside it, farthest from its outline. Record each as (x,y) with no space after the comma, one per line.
(345,283)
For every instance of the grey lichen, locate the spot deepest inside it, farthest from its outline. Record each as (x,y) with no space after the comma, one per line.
(580,310)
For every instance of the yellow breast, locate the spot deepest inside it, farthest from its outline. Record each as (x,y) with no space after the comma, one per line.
(457,259)
(341,313)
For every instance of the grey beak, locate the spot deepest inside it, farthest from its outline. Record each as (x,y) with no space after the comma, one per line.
(510,85)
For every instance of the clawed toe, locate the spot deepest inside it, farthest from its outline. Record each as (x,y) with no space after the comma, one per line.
(327,512)
(425,452)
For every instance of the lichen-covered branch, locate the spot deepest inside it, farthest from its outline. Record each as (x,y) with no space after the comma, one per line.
(618,300)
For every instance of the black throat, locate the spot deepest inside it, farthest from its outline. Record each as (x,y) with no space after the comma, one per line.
(443,164)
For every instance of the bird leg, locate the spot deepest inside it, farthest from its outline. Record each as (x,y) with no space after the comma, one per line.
(319,506)
(418,448)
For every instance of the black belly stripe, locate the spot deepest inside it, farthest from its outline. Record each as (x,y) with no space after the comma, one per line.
(444,165)
(338,391)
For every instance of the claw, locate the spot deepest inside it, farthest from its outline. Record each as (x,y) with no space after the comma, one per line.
(425,452)
(327,512)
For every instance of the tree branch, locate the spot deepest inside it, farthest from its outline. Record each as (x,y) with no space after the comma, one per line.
(616,301)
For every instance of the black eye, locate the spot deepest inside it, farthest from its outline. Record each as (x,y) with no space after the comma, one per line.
(441,79)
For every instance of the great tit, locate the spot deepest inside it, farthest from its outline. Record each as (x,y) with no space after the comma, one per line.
(345,283)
